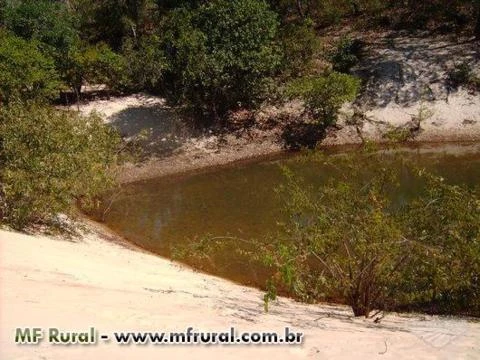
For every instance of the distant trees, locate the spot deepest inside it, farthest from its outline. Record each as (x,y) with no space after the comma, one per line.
(399,14)
(197,60)
(145,63)
(102,21)
(25,71)
(299,43)
(221,53)
(96,64)
(48,22)
(213,55)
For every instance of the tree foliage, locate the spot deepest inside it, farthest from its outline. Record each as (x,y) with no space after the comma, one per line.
(46,21)
(25,72)
(346,54)
(50,158)
(221,53)
(299,44)
(324,95)
(94,65)
(145,63)
(445,223)
(345,241)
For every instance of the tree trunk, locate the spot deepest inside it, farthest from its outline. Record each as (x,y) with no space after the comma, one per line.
(359,309)
(359,305)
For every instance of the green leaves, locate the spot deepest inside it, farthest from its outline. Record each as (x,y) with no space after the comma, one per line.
(346,242)
(221,53)
(46,21)
(324,95)
(345,55)
(95,65)
(299,43)
(146,62)
(25,72)
(49,159)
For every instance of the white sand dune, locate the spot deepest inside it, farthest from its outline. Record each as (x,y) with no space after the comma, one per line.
(46,282)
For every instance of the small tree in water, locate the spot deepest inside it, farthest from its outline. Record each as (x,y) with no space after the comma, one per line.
(345,241)
(348,240)
(340,243)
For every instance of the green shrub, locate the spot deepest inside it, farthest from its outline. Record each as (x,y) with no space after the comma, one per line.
(46,21)
(25,73)
(221,54)
(348,240)
(345,241)
(324,95)
(331,12)
(145,62)
(445,225)
(105,21)
(463,75)
(340,242)
(95,65)
(299,43)
(49,159)
(345,55)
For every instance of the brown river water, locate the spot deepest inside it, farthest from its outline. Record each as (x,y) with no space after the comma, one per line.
(240,201)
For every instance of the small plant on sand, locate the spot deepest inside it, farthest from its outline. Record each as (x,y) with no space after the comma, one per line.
(346,54)
(324,95)
(463,75)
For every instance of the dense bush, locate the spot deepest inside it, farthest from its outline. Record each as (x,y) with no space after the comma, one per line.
(104,21)
(54,27)
(299,43)
(463,75)
(49,159)
(340,242)
(324,95)
(95,65)
(25,72)
(221,54)
(145,62)
(445,225)
(46,21)
(346,54)
(345,241)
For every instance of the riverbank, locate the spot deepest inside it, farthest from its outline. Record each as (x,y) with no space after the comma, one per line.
(406,96)
(171,147)
(120,288)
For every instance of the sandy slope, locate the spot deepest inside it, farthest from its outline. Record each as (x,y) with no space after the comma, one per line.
(93,282)
(406,87)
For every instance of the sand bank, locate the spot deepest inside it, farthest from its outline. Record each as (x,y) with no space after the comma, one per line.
(73,285)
